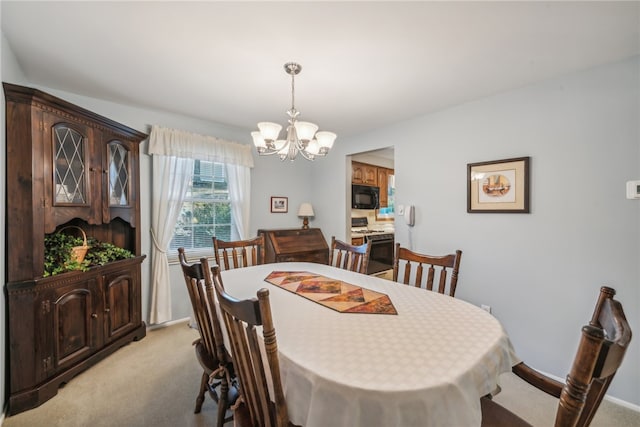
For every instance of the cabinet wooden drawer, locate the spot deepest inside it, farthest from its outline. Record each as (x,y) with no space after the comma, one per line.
(317,257)
(295,245)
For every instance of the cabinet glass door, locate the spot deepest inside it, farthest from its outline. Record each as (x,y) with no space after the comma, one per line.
(118,175)
(69,166)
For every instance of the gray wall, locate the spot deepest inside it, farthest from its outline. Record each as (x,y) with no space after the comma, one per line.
(540,272)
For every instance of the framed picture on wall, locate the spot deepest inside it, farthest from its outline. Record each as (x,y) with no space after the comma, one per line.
(498,186)
(279,204)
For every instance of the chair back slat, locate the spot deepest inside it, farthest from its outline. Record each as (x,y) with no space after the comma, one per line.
(443,280)
(405,260)
(260,382)
(339,261)
(418,274)
(407,272)
(430,275)
(239,253)
(349,257)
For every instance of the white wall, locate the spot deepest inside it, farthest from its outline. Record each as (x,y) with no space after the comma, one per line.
(540,272)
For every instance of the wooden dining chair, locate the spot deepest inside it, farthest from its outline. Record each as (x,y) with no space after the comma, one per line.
(241,253)
(210,350)
(349,257)
(258,406)
(602,346)
(405,260)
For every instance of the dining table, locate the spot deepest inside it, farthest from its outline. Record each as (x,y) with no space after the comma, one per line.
(424,359)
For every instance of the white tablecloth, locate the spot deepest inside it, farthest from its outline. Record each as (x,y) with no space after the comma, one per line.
(426,366)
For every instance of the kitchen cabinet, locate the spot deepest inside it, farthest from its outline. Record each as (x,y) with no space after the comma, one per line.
(378,176)
(357,241)
(295,245)
(383,183)
(69,167)
(364,174)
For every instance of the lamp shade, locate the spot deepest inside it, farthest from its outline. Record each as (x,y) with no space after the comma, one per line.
(258,140)
(305,210)
(269,131)
(326,139)
(305,130)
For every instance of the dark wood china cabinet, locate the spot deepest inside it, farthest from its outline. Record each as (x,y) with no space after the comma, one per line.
(67,166)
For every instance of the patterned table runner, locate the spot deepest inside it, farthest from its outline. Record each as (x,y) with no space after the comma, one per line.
(335,294)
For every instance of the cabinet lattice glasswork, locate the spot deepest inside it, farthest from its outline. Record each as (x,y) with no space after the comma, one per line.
(68,167)
(118,175)
(69,161)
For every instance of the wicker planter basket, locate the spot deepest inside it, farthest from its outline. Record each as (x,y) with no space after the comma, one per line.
(78,252)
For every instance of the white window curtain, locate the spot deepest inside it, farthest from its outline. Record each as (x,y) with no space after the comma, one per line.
(239,179)
(173,154)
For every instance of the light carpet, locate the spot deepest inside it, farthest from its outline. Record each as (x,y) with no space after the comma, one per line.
(154,382)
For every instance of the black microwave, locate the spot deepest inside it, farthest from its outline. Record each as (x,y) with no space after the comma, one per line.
(365,197)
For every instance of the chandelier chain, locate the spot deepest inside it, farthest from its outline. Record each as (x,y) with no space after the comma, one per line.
(293,92)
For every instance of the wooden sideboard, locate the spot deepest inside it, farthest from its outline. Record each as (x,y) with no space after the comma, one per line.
(295,245)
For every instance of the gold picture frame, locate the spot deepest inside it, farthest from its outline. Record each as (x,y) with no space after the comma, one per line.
(498,186)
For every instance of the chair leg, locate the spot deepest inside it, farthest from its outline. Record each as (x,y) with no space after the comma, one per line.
(223,399)
(204,382)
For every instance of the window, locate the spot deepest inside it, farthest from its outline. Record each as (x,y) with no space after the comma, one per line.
(206,210)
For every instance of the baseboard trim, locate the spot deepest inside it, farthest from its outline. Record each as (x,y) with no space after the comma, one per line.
(617,401)
(167,324)
(623,403)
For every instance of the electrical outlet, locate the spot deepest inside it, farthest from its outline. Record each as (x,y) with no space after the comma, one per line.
(486,308)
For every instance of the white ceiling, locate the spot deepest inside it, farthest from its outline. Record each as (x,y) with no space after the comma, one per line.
(365,64)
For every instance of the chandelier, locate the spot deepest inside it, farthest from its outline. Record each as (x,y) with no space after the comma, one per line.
(301,137)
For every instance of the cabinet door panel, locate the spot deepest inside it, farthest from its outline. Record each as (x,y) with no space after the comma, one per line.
(382,183)
(120,303)
(370,175)
(357,173)
(70,178)
(119,189)
(74,324)
(362,173)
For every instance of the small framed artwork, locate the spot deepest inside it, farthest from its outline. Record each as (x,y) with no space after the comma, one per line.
(279,204)
(498,186)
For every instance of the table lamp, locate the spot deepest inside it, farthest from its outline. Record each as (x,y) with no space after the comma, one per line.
(304,212)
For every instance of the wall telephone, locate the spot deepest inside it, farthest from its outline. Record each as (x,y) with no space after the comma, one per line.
(410,215)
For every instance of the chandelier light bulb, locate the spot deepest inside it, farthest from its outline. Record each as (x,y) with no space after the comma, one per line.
(302,137)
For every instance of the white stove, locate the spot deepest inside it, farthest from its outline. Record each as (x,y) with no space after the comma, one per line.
(367,231)
(360,228)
